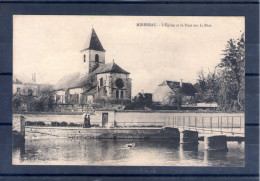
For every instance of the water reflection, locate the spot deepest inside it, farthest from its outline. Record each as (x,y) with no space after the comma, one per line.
(116,152)
(215,156)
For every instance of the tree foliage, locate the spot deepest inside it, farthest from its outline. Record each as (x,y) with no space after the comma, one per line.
(174,98)
(226,84)
(41,101)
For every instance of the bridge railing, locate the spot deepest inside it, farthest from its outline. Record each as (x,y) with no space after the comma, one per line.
(140,124)
(223,124)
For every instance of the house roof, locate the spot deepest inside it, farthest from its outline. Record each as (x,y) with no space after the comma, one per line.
(89,80)
(187,88)
(93,43)
(22,79)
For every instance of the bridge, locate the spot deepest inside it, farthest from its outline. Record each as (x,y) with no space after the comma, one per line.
(228,125)
(214,130)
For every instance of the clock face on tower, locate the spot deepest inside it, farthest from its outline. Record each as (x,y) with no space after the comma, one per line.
(119,83)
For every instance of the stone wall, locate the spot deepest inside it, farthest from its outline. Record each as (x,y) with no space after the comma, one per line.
(130,118)
(86,108)
(111,133)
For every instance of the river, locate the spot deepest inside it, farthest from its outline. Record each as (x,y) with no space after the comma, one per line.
(59,151)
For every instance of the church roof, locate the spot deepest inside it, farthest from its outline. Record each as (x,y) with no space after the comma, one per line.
(110,67)
(89,80)
(187,88)
(94,43)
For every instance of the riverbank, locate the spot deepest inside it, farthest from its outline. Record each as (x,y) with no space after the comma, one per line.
(35,132)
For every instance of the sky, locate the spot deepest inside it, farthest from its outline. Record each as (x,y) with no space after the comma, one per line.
(50,45)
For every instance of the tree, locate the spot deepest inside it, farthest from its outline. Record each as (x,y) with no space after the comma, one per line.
(207,86)
(41,100)
(232,70)
(174,98)
(226,84)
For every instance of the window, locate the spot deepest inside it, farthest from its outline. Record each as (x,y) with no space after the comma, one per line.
(30,91)
(18,89)
(84,57)
(117,94)
(77,98)
(101,82)
(122,94)
(96,58)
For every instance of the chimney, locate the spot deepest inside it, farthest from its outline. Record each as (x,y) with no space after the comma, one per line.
(181,83)
(34,77)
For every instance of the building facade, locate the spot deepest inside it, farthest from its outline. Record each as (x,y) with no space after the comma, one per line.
(95,80)
(167,88)
(23,85)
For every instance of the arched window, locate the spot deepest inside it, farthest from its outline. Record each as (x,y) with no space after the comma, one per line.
(101,82)
(117,94)
(96,58)
(84,57)
(122,94)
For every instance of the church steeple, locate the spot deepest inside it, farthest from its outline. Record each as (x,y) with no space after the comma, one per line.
(94,43)
(93,54)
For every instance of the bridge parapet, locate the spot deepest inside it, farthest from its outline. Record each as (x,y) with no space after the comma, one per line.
(211,124)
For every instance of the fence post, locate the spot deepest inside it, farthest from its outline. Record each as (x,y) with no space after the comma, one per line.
(195,122)
(232,126)
(218,122)
(240,122)
(203,124)
(211,123)
(227,123)
(183,121)
(221,124)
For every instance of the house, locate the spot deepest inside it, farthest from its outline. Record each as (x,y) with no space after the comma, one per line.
(23,85)
(96,79)
(167,88)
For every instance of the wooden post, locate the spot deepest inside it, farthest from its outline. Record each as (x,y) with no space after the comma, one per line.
(240,123)
(227,123)
(232,126)
(202,123)
(211,123)
(221,124)
(218,122)
(195,122)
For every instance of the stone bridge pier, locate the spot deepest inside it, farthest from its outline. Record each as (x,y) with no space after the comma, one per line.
(189,137)
(189,140)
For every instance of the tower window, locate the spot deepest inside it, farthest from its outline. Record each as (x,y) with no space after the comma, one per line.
(96,58)
(84,57)
(117,94)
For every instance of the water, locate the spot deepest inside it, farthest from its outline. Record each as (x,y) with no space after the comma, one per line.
(59,151)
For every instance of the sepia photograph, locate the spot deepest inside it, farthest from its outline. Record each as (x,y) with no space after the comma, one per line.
(128,90)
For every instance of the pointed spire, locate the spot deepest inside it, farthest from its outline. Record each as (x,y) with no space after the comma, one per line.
(94,43)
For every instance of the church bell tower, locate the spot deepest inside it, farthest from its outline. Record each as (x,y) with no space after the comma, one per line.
(93,54)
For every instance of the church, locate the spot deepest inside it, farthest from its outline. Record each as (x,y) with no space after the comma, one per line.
(95,80)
